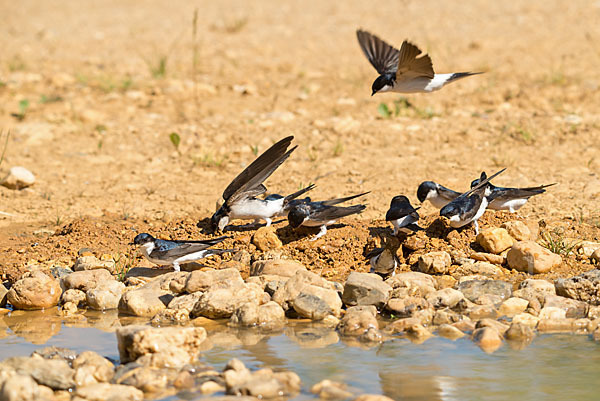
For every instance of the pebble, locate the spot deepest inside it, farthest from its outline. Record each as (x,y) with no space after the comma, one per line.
(526,318)
(494,240)
(18,178)
(488,257)
(407,307)
(265,239)
(54,373)
(450,332)
(583,287)
(330,390)
(488,339)
(513,306)
(105,296)
(213,279)
(34,291)
(74,296)
(411,283)
(278,267)
(447,297)
(85,280)
(223,302)
(358,319)
(91,262)
(532,258)
(518,230)
(311,306)
(519,332)
(365,289)
(372,397)
(435,262)
(107,391)
(484,292)
(142,302)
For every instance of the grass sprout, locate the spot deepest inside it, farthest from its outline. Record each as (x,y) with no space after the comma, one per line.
(556,243)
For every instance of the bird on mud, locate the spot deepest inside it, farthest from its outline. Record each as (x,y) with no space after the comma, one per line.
(402,70)
(437,194)
(471,205)
(175,252)
(402,214)
(383,260)
(240,196)
(511,199)
(322,214)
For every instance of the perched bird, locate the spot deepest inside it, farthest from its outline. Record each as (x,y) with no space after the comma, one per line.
(438,195)
(171,252)
(322,214)
(240,196)
(470,206)
(511,199)
(384,260)
(287,202)
(401,70)
(401,213)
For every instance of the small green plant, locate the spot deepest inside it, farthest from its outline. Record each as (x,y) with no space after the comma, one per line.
(208,160)
(384,110)
(23,106)
(231,25)
(556,243)
(338,149)
(254,149)
(16,64)
(123,263)
(158,67)
(175,140)
(5,146)
(50,99)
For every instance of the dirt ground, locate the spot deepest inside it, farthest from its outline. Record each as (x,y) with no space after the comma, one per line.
(91,93)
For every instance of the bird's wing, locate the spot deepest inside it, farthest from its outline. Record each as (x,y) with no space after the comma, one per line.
(447,193)
(248,182)
(518,193)
(470,206)
(177,251)
(481,185)
(409,66)
(207,242)
(381,55)
(296,194)
(329,213)
(332,202)
(401,210)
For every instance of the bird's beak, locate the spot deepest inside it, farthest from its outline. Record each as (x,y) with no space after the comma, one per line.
(374,92)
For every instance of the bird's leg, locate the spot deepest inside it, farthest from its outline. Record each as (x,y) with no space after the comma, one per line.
(269,221)
(321,233)
(176,266)
(476,227)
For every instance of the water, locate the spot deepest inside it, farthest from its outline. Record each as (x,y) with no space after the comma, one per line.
(557,366)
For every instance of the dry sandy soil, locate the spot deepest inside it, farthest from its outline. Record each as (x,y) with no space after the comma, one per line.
(91,92)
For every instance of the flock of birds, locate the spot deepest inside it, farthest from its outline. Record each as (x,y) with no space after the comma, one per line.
(399,71)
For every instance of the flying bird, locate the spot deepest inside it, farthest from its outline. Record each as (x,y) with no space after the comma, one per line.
(322,214)
(173,252)
(511,199)
(402,70)
(402,214)
(437,194)
(470,206)
(240,196)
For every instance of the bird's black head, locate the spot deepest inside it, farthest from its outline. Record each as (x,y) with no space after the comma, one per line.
(399,199)
(298,214)
(449,210)
(424,189)
(219,220)
(383,83)
(476,182)
(273,197)
(142,239)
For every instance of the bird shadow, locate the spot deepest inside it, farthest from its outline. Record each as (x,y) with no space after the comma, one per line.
(287,234)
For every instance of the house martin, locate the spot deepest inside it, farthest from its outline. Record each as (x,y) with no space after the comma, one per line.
(511,199)
(438,195)
(285,203)
(240,196)
(322,214)
(384,260)
(402,70)
(401,213)
(470,206)
(173,253)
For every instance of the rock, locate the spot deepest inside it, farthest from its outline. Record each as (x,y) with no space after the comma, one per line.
(54,373)
(173,282)
(372,397)
(447,297)
(513,306)
(488,339)
(18,387)
(185,302)
(278,267)
(484,292)
(308,283)
(60,353)
(222,302)
(450,332)
(532,258)
(92,368)
(18,178)
(584,287)
(330,390)
(519,332)
(488,257)
(518,230)
(311,306)
(418,333)
(595,258)
(74,296)
(269,315)
(555,325)
(265,239)
(86,280)
(168,317)
(143,302)
(526,318)
(358,319)
(407,307)
(108,392)
(494,240)
(543,286)
(3,292)
(365,289)
(34,291)
(476,312)
(263,383)
(105,296)
(92,263)
(435,262)
(411,284)
(587,248)
(148,379)
(573,308)
(160,347)
(500,327)
(552,313)
(446,316)
(213,279)
(478,268)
